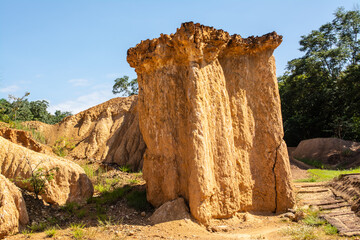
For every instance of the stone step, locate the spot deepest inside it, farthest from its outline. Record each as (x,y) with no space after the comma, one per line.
(340,213)
(334,206)
(310,185)
(313,190)
(321,203)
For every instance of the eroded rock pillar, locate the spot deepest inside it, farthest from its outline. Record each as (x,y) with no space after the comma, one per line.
(209,137)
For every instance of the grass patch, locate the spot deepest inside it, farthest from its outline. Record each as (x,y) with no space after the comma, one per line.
(38,227)
(77,230)
(330,230)
(81,213)
(26,232)
(137,200)
(312,218)
(89,171)
(322,175)
(125,168)
(38,136)
(110,197)
(50,232)
(301,233)
(70,207)
(134,181)
(63,146)
(312,162)
(105,185)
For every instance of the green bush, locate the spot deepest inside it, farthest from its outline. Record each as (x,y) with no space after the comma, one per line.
(63,146)
(39,178)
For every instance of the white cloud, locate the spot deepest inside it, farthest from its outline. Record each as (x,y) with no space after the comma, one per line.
(76,82)
(83,102)
(9,89)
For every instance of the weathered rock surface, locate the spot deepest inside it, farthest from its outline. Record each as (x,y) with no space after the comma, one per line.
(13,214)
(108,132)
(170,211)
(24,139)
(209,112)
(70,183)
(331,151)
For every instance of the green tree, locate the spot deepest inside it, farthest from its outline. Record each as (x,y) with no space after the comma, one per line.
(39,110)
(17,104)
(58,116)
(316,88)
(126,86)
(5,109)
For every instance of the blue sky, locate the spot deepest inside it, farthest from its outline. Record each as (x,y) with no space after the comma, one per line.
(69,52)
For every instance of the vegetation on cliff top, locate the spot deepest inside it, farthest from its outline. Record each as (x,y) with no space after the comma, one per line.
(21,109)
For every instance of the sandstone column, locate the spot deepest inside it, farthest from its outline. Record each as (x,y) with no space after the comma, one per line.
(209,112)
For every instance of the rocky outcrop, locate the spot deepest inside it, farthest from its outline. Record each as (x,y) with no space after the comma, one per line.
(330,151)
(209,112)
(13,214)
(70,183)
(171,211)
(24,139)
(108,132)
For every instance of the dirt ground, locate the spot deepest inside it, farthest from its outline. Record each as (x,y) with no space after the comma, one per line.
(124,222)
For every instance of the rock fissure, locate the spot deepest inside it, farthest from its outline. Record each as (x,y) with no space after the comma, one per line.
(275,180)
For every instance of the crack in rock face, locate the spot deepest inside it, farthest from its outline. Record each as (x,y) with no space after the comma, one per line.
(209,113)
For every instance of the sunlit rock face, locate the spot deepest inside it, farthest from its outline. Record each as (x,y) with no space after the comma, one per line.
(209,113)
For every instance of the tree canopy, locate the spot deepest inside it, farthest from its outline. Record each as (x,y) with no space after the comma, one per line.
(21,109)
(320,91)
(126,86)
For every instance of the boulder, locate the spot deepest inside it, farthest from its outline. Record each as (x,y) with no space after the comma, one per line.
(209,113)
(170,211)
(331,151)
(13,214)
(70,183)
(108,132)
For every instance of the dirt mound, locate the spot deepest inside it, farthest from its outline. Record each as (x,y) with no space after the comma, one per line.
(330,151)
(347,186)
(24,139)
(108,132)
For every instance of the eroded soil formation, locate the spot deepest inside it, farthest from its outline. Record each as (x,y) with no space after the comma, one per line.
(108,132)
(209,112)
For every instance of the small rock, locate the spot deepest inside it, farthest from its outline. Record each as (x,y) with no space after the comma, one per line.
(292,210)
(143,214)
(299,215)
(220,228)
(289,215)
(131,233)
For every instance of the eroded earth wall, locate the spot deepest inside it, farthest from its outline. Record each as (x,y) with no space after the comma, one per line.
(108,132)
(209,112)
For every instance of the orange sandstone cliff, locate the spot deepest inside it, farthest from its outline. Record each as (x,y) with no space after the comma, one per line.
(209,113)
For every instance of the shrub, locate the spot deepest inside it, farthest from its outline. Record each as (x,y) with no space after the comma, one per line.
(63,146)
(39,177)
